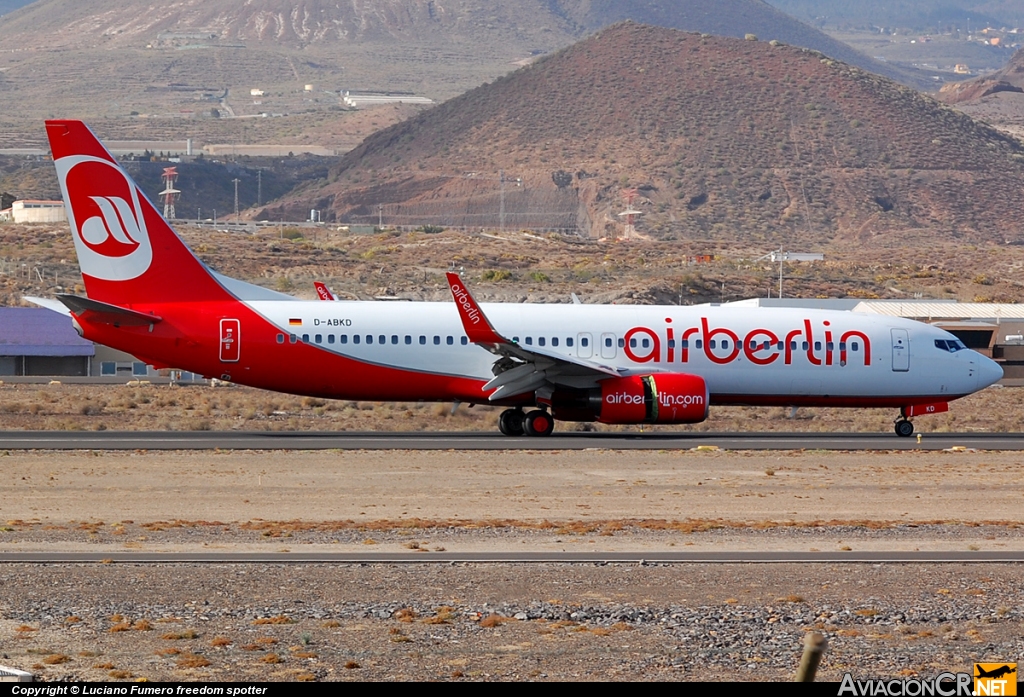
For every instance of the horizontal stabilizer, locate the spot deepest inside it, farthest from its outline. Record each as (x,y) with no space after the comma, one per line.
(102,313)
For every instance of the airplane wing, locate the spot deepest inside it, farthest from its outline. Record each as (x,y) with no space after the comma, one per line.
(519,369)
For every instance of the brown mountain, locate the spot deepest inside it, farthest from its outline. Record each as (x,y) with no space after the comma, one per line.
(719,137)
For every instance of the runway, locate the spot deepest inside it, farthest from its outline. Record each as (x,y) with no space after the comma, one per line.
(306,440)
(732,557)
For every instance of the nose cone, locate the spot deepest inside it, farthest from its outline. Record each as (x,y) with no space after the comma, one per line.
(989,372)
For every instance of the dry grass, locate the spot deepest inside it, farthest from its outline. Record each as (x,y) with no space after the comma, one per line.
(220,641)
(120,674)
(191,660)
(56,659)
(280,619)
(406,614)
(170,651)
(494,620)
(104,666)
(271,658)
(444,615)
(178,636)
(351,665)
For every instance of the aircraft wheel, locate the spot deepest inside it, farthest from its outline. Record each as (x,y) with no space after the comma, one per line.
(904,428)
(510,422)
(539,423)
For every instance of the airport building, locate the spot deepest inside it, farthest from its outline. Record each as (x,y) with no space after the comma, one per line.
(38,342)
(31,211)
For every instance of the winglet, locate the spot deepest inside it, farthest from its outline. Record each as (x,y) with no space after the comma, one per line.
(323,292)
(476,325)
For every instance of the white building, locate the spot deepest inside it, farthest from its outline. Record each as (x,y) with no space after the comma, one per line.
(29,211)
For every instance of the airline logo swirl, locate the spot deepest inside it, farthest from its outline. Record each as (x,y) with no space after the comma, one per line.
(106,218)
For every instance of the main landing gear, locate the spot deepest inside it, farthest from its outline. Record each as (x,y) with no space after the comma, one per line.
(513,422)
(903,427)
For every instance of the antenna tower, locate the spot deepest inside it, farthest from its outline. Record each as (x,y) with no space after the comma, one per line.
(170,176)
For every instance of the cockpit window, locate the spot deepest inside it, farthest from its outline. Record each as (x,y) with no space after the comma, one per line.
(951,345)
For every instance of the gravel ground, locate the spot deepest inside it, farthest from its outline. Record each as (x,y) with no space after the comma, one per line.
(503,622)
(506,621)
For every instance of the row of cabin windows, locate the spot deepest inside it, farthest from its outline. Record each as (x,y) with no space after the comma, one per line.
(584,342)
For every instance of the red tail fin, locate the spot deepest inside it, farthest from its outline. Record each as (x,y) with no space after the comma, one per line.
(127,251)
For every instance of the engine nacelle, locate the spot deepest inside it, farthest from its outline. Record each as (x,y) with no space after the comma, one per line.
(671,398)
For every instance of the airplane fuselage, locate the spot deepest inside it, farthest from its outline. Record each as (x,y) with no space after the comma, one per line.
(410,350)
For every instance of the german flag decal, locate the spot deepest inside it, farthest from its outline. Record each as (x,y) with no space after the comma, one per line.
(295,322)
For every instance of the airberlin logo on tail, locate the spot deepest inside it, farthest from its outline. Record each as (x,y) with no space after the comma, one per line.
(106,218)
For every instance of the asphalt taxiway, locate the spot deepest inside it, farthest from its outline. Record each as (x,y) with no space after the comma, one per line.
(307,440)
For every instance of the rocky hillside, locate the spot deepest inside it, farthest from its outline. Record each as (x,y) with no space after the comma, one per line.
(997,99)
(717,136)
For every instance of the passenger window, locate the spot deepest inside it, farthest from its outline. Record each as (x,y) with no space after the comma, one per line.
(330,338)
(554,341)
(280,338)
(355,338)
(450,340)
(646,343)
(408,339)
(465,341)
(608,342)
(854,346)
(423,340)
(792,346)
(515,340)
(529,341)
(805,346)
(394,339)
(817,345)
(318,339)
(713,343)
(699,343)
(842,345)
(584,342)
(830,346)
(725,344)
(382,339)
(767,345)
(781,345)
(671,343)
(540,341)
(305,338)
(292,338)
(622,342)
(568,342)
(369,338)
(343,338)
(437,340)
(632,343)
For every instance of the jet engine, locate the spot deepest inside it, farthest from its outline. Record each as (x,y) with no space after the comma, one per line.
(670,398)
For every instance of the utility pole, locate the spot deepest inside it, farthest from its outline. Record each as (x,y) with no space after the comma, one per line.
(236,199)
(259,187)
(501,209)
(380,216)
(781,257)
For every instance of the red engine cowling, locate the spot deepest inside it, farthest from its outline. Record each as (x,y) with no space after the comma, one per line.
(672,398)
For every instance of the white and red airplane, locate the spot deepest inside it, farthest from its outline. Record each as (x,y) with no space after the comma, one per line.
(150,296)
